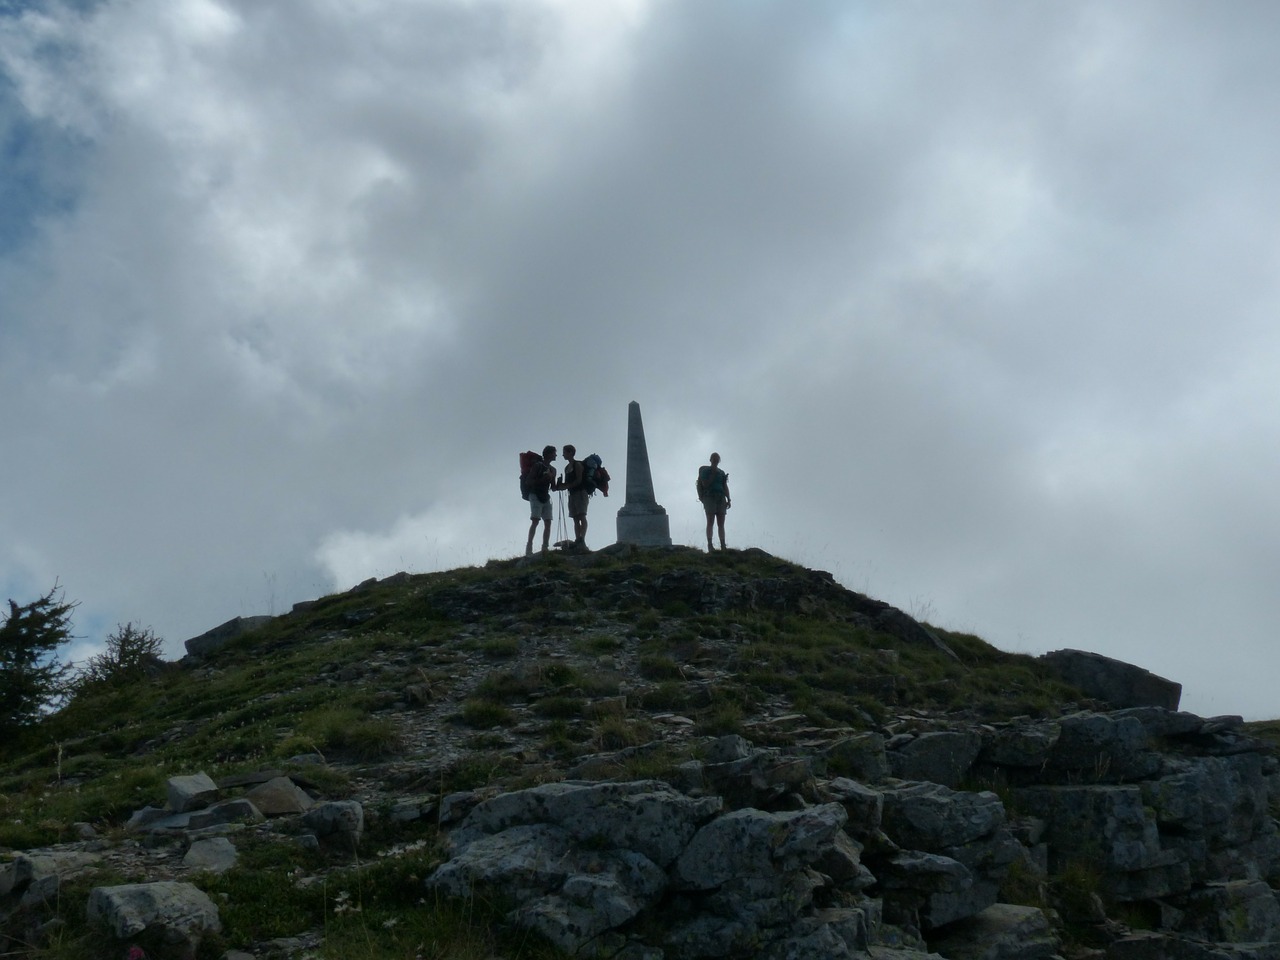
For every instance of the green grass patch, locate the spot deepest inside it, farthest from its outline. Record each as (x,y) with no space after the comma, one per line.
(485,715)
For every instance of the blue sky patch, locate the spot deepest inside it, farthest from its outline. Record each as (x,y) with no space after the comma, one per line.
(40,165)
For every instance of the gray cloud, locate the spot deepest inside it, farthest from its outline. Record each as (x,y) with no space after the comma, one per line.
(974,301)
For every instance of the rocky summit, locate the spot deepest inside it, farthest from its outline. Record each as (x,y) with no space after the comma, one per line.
(638,754)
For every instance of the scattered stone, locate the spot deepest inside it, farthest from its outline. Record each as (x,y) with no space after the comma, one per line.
(279,797)
(338,824)
(192,792)
(214,855)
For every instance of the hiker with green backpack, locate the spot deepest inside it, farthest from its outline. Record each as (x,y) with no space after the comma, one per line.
(574,480)
(713,491)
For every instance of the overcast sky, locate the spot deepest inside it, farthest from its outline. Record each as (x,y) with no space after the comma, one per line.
(977,300)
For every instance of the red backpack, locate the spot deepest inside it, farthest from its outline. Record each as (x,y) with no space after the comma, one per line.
(532,469)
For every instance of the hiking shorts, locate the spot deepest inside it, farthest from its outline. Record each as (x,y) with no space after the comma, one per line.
(714,504)
(539,510)
(578,503)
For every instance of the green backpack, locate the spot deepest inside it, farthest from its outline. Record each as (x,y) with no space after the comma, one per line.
(711,481)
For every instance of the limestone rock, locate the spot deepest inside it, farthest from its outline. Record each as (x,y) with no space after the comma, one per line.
(603,892)
(941,756)
(529,859)
(338,823)
(646,816)
(1108,825)
(215,855)
(753,843)
(228,811)
(1120,684)
(861,757)
(1242,911)
(36,877)
(1101,748)
(1000,932)
(927,890)
(930,816)
(217,638)
(192,792)
(567,894)
(180,912)
(279,796)
(1020,745)
(760,779)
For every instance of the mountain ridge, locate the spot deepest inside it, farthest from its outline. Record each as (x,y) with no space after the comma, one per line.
(407,693)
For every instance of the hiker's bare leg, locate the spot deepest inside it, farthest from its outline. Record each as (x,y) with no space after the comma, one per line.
(580,528)
(533,528)
(720,524)
(710,520)
(546,536)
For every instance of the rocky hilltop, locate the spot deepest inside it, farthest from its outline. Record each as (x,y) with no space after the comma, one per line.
(641,755)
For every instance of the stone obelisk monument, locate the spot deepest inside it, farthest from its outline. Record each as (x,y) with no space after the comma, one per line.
(641,520)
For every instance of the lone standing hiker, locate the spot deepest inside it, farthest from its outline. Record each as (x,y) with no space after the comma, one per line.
(574,479)
(713,491)
(542,479)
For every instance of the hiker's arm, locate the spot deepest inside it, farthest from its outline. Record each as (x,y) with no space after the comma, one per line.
(727,498)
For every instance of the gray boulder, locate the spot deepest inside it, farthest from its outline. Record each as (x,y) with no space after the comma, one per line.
(1002,931)
(1107,825)
(603,892)
(930,816)
(1120,684)
(180,912)
(941,756)
(756,844)
(1163,946)
(221,635)
(569,895)
(192,792)
(1101,748)
(927,890)
(760,779)
(36,877)
(1021,746)
(229,811)
(337,824)
(214,855)
(1242,911)
(957,827)
(864,806)
(861,757)
(279,797)
(647,816)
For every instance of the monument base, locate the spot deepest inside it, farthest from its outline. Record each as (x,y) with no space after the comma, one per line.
(644,529)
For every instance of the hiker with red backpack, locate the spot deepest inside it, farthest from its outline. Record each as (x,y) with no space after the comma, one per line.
(713,491)
(537,480)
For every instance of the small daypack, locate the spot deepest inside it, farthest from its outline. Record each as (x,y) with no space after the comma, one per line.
(594,475)
(532,468)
